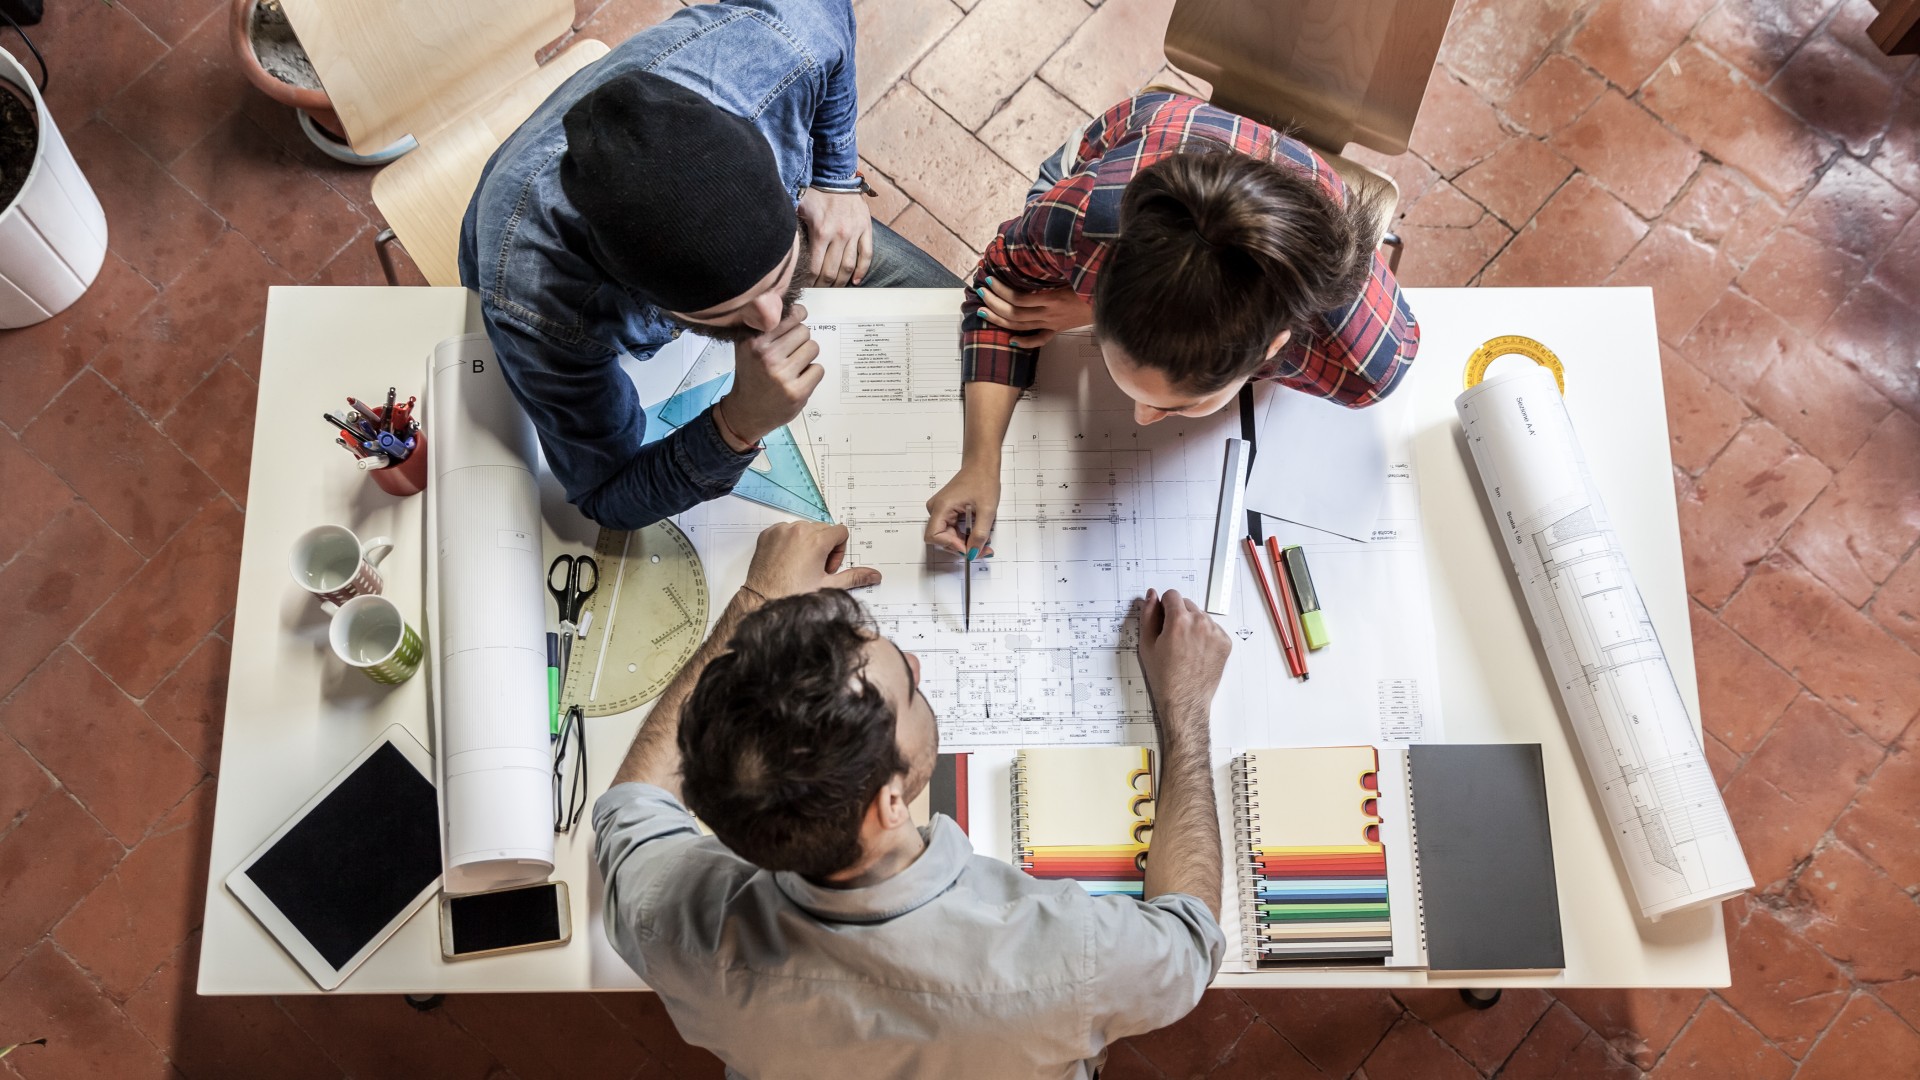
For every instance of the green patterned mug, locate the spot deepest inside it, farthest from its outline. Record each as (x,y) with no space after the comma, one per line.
(369,633)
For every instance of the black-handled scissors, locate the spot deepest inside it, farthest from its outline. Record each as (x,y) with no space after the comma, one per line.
(581,579)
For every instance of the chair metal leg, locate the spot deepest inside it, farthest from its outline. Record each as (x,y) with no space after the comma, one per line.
(380,241)
(1394,246)
(1480,999)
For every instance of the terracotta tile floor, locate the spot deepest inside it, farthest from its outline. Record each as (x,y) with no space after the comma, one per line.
(1752,160)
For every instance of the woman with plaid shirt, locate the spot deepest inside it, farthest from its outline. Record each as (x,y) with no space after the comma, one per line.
(1206,250)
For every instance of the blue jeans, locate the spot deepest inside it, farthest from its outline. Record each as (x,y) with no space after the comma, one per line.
(898,264)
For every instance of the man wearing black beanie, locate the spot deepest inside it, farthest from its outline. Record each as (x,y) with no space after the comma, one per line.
(697,177)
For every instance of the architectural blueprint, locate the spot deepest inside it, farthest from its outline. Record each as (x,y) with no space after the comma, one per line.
(1094,510)
(1663,807)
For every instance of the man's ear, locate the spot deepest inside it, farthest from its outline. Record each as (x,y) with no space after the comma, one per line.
(889,809)
(1279,343)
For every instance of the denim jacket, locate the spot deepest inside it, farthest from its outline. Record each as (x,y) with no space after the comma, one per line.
(560,325)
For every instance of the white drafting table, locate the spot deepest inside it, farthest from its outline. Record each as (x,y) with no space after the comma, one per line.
(295,716)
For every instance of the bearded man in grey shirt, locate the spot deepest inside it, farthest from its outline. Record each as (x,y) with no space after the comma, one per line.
(818,932)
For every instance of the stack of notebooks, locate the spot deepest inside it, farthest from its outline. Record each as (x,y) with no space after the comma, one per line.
(1313,870)
(1435,857)
(1084,813)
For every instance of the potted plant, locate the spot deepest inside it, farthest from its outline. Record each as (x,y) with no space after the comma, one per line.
(53,234)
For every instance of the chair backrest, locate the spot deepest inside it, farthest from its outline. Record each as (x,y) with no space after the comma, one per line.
(457,75)
(1337,71)
(400,67)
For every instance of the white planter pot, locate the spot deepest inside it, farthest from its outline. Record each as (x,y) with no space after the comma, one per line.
(53,237)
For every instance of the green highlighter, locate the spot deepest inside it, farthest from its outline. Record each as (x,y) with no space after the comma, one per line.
(553,686)
(1305,600)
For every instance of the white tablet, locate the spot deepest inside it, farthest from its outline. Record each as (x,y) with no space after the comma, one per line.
(353,864)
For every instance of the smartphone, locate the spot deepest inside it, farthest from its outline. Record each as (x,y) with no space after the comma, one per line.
(505,921)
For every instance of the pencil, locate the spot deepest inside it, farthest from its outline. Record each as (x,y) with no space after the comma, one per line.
(1296,658)
(1273,607)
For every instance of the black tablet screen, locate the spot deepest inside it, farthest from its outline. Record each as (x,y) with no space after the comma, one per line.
(358,858)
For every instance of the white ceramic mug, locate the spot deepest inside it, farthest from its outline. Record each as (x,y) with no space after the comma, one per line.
(370,634)
(334,565)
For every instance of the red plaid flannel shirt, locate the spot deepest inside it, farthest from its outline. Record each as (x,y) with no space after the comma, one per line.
(1354,355)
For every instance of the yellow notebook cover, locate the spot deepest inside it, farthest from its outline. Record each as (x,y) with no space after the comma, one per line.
(1313,796)
(1086,796)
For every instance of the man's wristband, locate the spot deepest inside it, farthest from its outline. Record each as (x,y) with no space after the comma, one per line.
(731,436)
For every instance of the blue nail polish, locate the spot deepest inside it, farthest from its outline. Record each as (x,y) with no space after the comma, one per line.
(981,293)
(972,554)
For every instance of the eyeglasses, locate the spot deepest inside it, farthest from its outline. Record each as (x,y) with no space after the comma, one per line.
(570,770)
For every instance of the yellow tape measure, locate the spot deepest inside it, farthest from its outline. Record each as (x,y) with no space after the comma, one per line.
(1514,345)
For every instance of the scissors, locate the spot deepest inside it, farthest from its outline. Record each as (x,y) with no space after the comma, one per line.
(581,578)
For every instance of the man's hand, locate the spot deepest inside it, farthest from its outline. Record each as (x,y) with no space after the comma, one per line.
(1033,316)
(773,375)
(1183,652)
(797,557)
(841,230)
(973,493)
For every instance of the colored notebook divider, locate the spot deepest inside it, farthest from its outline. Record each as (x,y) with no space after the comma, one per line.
(1101,871)
(786,483)
(1321,902)
(1084,814)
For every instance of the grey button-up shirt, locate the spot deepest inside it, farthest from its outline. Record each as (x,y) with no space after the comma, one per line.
(959,965)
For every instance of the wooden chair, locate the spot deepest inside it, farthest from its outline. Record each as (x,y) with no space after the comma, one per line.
(459,75)
(1332,72)
(1896,30)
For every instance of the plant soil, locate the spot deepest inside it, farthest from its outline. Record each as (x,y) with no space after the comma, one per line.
(18,140)
(278,50)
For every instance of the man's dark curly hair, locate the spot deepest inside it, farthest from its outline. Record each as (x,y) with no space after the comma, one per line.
(784,741)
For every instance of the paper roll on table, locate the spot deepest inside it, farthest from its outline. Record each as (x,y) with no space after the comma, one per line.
(490,698)
(1663,807)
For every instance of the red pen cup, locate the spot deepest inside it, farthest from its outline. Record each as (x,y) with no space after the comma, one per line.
(408,477)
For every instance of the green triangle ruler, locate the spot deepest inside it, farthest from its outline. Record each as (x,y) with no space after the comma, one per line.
(780,477)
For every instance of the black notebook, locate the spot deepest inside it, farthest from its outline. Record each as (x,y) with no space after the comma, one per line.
(1486,858)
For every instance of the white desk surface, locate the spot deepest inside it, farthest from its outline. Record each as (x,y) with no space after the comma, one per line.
(295,716)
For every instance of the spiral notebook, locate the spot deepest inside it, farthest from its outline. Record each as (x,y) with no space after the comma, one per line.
(1313,869)
(1084,813)
(1430,856)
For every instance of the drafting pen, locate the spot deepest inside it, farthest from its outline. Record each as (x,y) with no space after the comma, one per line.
(1273,606)
(966,589)
(339,422)
(373,461)
(366,411)
(1298,658)
(553,686)
(391,394)
(1305,599)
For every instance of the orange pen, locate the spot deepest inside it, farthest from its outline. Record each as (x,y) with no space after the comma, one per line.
(1273,607)
(1296,658)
